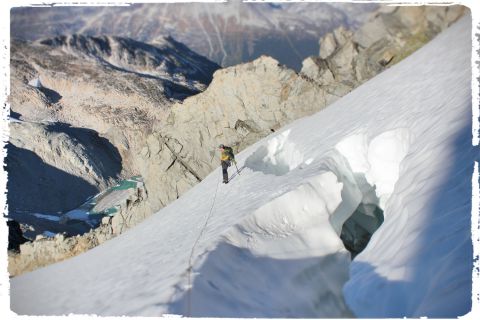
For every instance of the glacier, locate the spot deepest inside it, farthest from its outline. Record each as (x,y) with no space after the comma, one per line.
(268,244)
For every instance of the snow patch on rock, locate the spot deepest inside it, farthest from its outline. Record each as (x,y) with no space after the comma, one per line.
(36,83)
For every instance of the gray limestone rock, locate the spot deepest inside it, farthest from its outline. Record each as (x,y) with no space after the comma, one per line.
(327,45)
(347,58)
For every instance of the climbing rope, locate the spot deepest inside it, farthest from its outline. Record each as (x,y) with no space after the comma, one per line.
(190,266)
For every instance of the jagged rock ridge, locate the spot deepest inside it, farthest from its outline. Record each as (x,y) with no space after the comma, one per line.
(348,59)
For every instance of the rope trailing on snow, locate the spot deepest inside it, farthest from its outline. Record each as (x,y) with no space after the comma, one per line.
(190,263)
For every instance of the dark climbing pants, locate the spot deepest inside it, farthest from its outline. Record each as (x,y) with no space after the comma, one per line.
(225,165)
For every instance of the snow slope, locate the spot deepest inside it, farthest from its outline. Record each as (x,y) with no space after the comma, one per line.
(267,244)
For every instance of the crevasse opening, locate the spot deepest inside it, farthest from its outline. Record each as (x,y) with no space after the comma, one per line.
(373,169)
(304,239)
(364,221)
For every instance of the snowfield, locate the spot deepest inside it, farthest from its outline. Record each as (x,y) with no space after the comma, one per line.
(268,243)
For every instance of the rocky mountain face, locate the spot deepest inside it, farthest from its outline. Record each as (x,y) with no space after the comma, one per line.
(348,58)
(241,105)
(158,73)
(80,105)
(228,33)
(111,85)
(247,102)
(173,144)
(180,69)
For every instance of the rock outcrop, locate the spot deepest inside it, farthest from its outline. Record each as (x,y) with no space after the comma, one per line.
(349,58)
(242,104)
